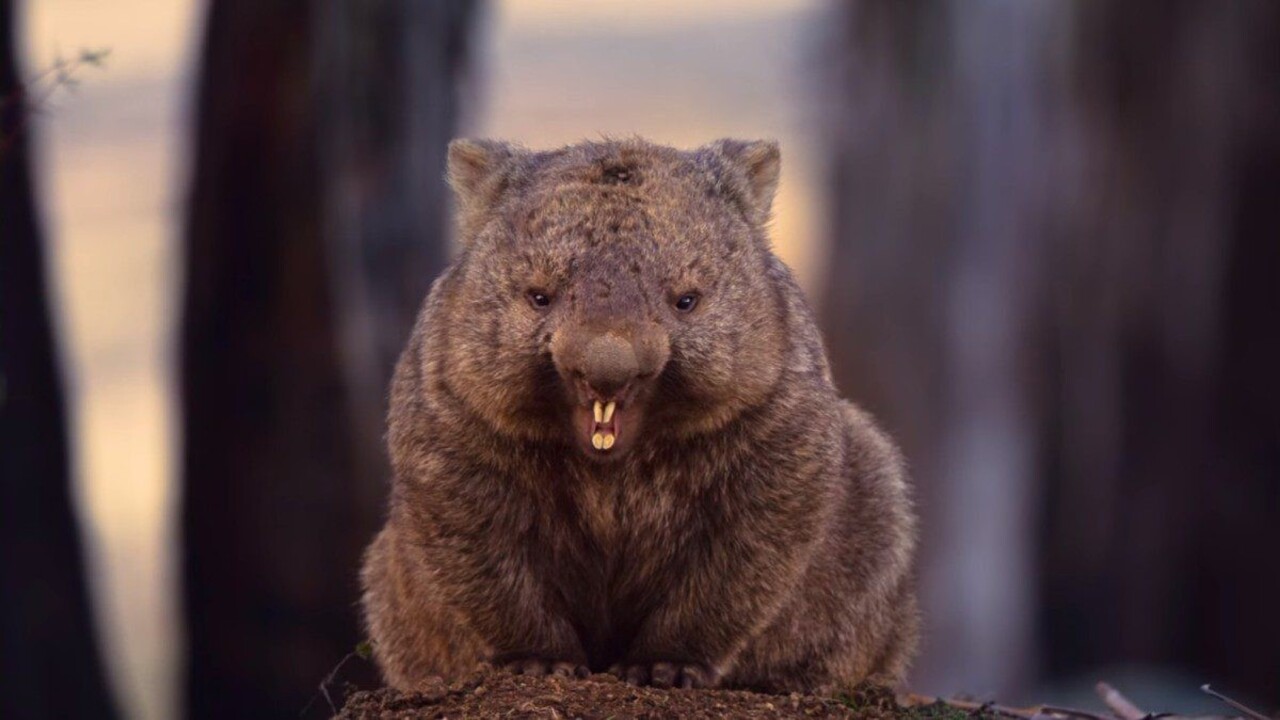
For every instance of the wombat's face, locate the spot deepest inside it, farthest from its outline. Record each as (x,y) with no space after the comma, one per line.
(613,292)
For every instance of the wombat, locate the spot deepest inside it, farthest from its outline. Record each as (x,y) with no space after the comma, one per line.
(617,446)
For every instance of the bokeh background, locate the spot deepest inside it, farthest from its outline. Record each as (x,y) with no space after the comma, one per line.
(1043,238)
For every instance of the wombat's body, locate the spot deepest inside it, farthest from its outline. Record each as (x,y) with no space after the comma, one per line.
(617,446)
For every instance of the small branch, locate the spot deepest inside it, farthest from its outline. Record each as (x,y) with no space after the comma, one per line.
(326,682)
(1039,712)
(911,700)
(364,651)
(1248,711)
(30,97)
(1072,712)
(1119,704)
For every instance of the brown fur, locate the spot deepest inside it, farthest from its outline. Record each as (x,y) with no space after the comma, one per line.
(751,529)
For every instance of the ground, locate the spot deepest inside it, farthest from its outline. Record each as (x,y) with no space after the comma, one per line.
(494,694)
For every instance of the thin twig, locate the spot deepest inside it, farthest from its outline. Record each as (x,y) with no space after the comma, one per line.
(913,699)
(1250,712)
(60,75)
(1036,712)
(1119,704)
(1072,712)
(1028,713)
(328,680)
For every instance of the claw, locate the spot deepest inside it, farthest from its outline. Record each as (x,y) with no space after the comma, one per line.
(538,667)
(667,675)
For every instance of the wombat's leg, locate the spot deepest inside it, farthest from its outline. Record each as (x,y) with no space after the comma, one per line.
(505,604)
(899,646)
(527,636)
(854,618)
(496,586)
(830,642)
(423,626)
(732,584)
(415,635)
(475,537)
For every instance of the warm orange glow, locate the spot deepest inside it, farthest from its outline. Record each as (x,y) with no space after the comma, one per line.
(112,175)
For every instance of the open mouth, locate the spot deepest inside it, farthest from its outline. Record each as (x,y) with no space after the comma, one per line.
(604,427)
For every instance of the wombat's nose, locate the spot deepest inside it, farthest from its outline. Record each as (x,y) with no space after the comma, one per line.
(608,364)
(608,359)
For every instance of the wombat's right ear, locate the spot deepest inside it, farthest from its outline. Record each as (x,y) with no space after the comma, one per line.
(756,165)
(479,172)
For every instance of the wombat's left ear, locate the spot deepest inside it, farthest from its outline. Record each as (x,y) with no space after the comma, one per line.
(479,172)
(758,164)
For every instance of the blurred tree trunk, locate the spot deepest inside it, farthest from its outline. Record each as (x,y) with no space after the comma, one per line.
(394,75)
(312,235)
(49,660)
(1054,259)
(1162,446)
(927,299)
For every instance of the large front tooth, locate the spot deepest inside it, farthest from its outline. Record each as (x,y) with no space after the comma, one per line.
(608,441)
(608,411)
(598,441)
(599,412)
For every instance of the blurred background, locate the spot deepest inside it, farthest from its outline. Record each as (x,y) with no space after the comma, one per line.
(1043,238)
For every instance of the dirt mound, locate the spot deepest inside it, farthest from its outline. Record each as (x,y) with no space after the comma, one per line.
(500,695)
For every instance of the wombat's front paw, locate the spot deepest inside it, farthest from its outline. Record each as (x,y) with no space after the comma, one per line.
(541,667)
(667,674)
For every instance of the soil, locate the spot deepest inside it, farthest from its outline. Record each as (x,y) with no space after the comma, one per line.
(495,694)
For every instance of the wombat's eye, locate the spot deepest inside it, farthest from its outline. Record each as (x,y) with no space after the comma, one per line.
(538,298)
(686,302)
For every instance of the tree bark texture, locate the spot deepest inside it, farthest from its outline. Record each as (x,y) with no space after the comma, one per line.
(315,225)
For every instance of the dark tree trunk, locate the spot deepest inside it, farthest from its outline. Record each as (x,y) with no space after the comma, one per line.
(1162,439)
(315,224)
(394,72)
(1054,271)
(49,659)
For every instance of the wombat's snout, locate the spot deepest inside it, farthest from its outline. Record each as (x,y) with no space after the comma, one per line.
(604,368)
(607,361)
(608,364)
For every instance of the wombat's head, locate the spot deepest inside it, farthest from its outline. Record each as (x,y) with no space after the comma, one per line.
(613,292)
